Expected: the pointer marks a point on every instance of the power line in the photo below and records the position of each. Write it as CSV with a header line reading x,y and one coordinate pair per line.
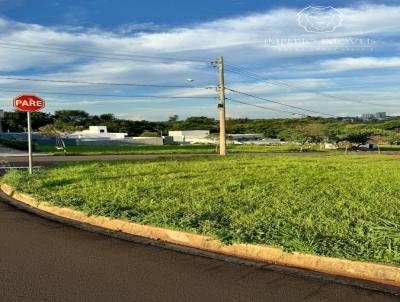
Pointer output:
x,y
242,71
134,57
284,84
91,53
79,54
279,103
99,83
111,95
260,106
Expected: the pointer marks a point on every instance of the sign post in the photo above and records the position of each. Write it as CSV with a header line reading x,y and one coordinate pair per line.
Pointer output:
x,y
30,142
29,103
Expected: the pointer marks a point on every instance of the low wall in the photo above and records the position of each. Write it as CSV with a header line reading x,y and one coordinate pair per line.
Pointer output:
x,y
151,141
48,141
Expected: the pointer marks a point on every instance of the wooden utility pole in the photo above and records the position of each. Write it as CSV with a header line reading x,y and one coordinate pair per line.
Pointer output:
x,y
221,107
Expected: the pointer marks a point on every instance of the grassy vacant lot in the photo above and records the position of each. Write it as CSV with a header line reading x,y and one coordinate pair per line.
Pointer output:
x,y
173,149
390,148
334,205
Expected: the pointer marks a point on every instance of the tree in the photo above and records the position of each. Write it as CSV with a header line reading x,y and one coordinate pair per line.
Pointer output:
x,y
59,132
199,123
394,138
16,121
358,137
107,117
150,134
295,135
358,134
173,122
72,117
173,119
345,145
304,130
307,134
316,132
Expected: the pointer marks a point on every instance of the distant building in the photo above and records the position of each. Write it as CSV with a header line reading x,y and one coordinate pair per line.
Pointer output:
x,y
368,116
372,116
97,133
190,136
252,139
381,115
99,136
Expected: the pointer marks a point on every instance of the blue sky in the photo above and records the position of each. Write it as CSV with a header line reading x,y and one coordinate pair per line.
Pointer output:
x,y
358,60
113,13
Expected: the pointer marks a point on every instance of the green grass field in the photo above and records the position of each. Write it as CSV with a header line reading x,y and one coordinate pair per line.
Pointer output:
x,y
390,148
168,149
334,205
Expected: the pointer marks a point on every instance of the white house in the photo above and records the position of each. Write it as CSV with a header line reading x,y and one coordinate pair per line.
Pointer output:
x,y
190,136
253,139
330,146
97,133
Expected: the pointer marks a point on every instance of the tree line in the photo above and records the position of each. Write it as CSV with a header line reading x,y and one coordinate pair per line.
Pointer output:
x,y
302,130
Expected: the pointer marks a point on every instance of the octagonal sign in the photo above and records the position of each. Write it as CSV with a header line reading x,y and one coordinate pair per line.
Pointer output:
x,y
28,103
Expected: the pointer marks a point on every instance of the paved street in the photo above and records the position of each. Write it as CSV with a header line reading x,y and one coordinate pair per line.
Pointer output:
x,y
42,260
6,152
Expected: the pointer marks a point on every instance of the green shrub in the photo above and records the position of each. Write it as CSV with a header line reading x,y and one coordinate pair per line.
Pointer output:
x,y
16,144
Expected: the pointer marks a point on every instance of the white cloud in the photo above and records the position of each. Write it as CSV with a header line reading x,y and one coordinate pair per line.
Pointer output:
x,y
130,28
368,19
240,39
347,64
236,35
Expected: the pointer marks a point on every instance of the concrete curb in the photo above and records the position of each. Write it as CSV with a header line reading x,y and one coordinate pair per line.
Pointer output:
x,y
384,274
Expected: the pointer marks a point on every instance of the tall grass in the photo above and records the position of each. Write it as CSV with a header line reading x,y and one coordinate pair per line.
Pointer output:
x,y
339,206
168,149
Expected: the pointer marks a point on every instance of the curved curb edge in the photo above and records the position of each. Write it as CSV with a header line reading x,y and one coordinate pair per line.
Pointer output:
x,y
379,273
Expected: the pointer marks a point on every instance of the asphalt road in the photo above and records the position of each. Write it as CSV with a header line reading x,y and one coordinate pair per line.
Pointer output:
x,y
5,151
41,260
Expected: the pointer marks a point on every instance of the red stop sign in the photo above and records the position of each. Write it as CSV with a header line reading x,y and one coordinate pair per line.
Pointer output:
x,y
28,103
